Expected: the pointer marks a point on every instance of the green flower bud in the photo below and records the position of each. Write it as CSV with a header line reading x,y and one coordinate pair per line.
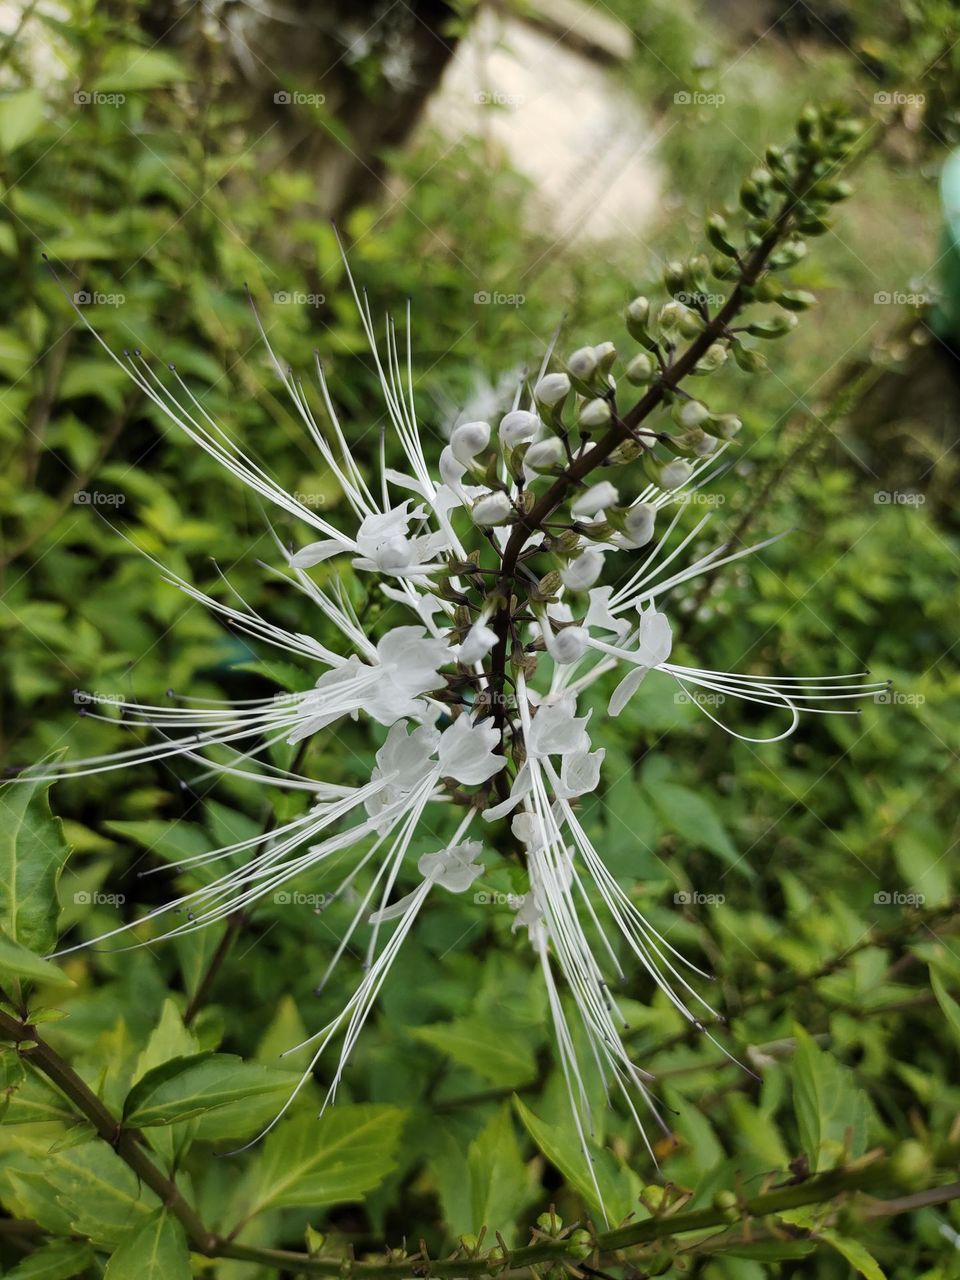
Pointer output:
x,y
749,361
551,1223
807,124
834,192
796,299
717,235
774,326
580,1244
674,277
712,359
726,425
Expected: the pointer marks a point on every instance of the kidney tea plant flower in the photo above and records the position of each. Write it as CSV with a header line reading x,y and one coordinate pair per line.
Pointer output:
x,y
534,559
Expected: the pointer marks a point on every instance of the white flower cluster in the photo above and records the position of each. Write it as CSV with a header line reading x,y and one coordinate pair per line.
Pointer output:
x,y
479,689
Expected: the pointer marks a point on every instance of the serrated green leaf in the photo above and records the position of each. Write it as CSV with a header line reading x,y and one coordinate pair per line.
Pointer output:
x,y
498,1175
333,1160
615,1191
854,1253
499,1054
192,1086
21,963
32,856
156,1251
58,1261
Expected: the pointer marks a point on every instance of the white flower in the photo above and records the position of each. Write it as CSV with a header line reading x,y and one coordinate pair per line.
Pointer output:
x,y
556,729
638,525
595,413
597,498
492,509
580,773
583,363
468,752
675,473
692,413
453,869
469,439
543,455
518,427
477,643
583,572
552,389
568,645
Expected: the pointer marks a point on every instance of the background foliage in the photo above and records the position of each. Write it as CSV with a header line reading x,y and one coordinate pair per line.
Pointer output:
x,y
815,877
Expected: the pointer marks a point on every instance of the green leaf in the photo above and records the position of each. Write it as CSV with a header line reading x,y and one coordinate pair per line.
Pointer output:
x,y
32,855
21,115
854,1253
618,1187
339,1158
829,1106
501,1055
948,1006
193,1085
130,67
58,1261
498,1175
688,814
157,1251
21,963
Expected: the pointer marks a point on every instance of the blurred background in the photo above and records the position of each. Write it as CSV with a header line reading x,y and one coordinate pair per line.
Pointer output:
x,y
510,169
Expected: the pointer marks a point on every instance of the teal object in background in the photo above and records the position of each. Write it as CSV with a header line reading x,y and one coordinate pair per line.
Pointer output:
x,y
945,317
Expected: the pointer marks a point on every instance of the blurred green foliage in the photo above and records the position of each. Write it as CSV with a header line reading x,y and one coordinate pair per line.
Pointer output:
x,y
792,871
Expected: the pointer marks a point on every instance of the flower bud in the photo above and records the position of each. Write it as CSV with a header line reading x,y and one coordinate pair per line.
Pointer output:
x,y
493,509
636,316
582,573
712,359
674,277
543,455
717,235
568,645
595,413
552,389
691,413
706,445
641,369
518,426
774,326
583,363
597,498
670,315
726,425
639,522
796,299
469,439
606,354
675,473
